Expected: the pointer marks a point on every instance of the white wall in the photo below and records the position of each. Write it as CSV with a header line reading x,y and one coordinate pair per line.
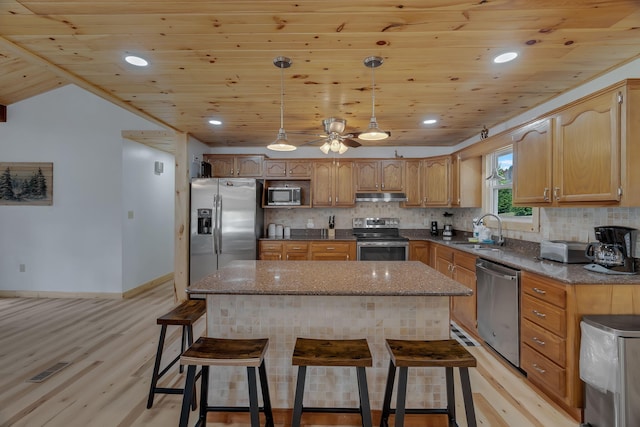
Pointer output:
x,y
148,240
75,245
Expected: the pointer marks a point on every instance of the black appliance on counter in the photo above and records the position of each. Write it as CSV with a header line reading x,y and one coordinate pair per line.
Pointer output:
x,y
379,239
614,251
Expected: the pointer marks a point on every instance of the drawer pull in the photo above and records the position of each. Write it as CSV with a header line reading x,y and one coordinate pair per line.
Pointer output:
x,y
331,248
538,341
540,315
296,247
539,291
539,369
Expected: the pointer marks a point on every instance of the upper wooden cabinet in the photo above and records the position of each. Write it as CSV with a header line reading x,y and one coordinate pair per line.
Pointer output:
x,y
582,154
413,188
333,183
379,175
466,181
436,181
295,169
532,157
586,152
235,166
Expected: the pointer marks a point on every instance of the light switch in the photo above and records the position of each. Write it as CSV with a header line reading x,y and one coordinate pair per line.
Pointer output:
x,y
130,214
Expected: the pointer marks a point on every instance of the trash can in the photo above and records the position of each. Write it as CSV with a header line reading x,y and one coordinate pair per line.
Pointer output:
x,y
609,354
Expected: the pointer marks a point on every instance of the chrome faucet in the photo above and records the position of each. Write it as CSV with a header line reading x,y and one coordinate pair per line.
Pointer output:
x,y
500,241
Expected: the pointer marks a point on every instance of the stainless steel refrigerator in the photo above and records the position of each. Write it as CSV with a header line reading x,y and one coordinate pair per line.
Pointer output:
x,y
226,222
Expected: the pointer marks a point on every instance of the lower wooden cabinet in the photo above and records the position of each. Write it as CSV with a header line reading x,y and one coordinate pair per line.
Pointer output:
x,y
419,251
302,250
461,267
332,251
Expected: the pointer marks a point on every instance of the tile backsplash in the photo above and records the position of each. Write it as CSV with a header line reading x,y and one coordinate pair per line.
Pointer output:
x,y
555,223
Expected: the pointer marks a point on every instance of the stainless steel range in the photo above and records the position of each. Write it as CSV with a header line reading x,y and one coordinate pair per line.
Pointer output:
x,y
379,239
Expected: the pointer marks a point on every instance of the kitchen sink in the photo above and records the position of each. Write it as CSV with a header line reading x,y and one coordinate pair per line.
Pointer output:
x,y
482,247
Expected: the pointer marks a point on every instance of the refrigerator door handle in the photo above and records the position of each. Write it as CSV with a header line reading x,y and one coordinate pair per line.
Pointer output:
x,y
219,224
215,224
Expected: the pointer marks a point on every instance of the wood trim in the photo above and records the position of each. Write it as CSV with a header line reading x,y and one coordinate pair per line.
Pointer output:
x,y
146,286
57,294
3,113
163,140
181,224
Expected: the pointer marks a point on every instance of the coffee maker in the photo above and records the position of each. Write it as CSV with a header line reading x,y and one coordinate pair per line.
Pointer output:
x,y
614,251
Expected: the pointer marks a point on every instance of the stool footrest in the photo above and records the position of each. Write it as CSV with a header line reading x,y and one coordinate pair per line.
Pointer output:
x,y
231,409
323,409
421,411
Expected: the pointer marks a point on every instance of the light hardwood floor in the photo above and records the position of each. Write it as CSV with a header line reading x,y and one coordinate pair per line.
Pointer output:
x,y
111,345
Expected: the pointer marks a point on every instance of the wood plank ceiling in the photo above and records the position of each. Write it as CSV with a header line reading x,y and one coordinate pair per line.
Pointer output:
x,y
214,59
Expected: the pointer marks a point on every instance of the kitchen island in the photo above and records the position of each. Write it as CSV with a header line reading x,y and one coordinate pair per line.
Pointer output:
x,y
339,300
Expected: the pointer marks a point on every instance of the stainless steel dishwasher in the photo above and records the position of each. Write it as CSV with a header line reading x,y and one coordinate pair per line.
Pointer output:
x,y
499,308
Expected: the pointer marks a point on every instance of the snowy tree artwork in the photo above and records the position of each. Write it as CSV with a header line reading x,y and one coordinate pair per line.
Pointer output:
x,y
26,183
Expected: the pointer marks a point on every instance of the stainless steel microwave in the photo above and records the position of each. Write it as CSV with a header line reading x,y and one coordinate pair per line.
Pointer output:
x,y
283,196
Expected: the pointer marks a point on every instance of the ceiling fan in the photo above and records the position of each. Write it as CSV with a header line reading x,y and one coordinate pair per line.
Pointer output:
x,y
333,139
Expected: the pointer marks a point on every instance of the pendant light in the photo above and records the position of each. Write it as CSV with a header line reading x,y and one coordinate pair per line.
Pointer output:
x,y
373,133
281,143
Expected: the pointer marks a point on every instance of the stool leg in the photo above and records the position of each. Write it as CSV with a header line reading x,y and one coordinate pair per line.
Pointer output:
x,y
468,397
451,397
388,391
182,344
253,397
266,397
204,395
402,396
365,407
156,366
297,405
188,395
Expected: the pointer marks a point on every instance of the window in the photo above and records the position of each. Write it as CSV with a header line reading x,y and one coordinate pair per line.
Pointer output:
x,y
499,192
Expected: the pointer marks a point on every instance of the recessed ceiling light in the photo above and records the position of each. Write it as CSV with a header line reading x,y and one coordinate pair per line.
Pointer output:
x,y
136,60
505,57
215,122
430,121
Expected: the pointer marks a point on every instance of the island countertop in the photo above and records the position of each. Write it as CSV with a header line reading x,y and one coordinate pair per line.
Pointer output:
x,y
339,278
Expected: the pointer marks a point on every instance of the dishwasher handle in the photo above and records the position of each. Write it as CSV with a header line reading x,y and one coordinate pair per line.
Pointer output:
x,y
495,273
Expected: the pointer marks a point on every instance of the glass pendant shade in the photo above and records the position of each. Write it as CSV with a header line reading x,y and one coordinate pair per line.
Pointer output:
x,y
325,148
281,143
373,133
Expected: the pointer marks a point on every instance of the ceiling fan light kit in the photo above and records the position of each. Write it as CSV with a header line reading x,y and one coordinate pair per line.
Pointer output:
x,y
281,143
373,133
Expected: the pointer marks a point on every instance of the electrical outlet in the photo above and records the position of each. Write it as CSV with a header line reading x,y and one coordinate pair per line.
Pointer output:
x,y
23,268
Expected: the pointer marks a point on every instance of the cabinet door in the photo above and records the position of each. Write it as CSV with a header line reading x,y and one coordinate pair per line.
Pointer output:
x,y
464,309
366,173
392,175
436,182
275,168
419,251
270,251
455,192
296,251
299,168
532,164
334,251
413,187
249,166
343,185
322,184
587,151
222,167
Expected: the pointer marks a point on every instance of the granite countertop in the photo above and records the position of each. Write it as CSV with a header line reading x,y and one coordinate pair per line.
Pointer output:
x,y
348,278
523,255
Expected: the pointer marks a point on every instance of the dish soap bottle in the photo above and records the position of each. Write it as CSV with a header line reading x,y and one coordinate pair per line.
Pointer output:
x,y
476,229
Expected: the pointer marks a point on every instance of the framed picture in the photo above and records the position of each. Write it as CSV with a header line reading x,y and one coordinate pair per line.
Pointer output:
x,y
24,184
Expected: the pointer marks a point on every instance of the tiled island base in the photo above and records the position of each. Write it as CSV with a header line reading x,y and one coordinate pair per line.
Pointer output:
x,y
283,318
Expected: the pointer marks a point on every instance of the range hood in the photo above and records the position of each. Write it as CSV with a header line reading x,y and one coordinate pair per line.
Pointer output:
x,y
381,197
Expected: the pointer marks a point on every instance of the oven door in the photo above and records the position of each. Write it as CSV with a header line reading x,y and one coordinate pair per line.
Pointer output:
x,y
380,250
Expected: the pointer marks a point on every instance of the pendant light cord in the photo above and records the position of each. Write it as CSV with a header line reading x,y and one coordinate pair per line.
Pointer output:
x,y
373,92
282,97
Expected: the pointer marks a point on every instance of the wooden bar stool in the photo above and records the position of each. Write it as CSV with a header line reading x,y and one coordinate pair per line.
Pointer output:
x,y
208,352
184,315
448,354
315,352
